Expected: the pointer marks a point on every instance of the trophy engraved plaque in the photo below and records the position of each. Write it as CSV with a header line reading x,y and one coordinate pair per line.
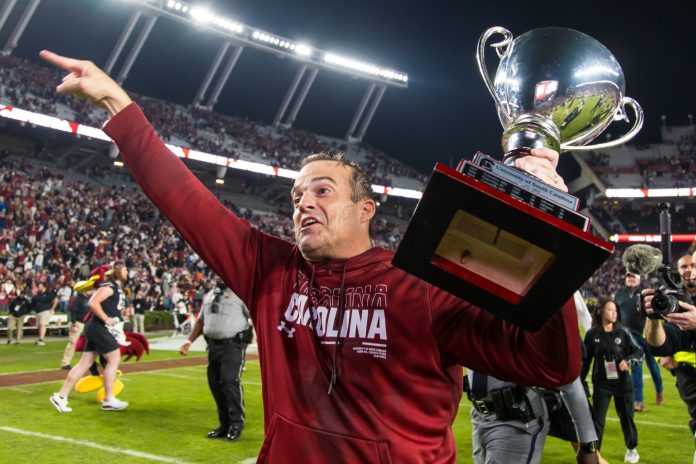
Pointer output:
x,y
498,236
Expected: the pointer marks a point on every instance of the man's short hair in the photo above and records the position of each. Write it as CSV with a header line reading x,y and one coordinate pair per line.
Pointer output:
x,y
360,185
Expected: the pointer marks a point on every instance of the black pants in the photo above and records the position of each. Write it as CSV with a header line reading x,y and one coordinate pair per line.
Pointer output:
x,y
686,385
624,409
225,363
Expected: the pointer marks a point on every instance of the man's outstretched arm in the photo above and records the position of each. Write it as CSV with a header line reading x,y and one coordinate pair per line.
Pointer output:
x,y
213,231
86,80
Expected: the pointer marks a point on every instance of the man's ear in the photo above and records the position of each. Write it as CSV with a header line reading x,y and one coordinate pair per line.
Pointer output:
x,y
369,209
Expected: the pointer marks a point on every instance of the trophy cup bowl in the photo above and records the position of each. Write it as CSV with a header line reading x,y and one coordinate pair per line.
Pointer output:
x,y
557,88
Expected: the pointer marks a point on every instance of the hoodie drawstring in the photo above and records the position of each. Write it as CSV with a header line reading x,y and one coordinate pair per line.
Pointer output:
x,y
341,311
317,342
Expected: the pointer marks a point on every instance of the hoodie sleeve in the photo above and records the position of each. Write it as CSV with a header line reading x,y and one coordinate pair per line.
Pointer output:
x,y
228,244
476,339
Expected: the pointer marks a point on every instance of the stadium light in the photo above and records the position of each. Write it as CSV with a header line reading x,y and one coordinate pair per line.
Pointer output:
x,y
118,163
281,43
302,51
202,15
367,68
219,181
206,16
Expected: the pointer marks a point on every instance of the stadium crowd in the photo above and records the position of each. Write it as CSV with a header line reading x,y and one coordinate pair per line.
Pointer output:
x,y
55,231
30,86
670,165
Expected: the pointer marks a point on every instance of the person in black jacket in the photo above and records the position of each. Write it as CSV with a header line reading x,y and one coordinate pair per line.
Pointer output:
x,y
18,309
140,305
44,305
613,349
626,299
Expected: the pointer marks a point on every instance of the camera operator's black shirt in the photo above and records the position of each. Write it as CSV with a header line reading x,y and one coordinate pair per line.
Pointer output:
x,y
140,304
631,317
42,301
676,340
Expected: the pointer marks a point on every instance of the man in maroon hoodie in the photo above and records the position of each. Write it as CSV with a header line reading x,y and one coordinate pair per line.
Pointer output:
x,y
360,361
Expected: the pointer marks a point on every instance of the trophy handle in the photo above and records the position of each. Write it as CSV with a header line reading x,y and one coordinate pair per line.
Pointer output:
x,y
620,114
501,48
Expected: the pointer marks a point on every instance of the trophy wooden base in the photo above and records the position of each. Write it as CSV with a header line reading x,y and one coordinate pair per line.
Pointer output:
x,y
511,259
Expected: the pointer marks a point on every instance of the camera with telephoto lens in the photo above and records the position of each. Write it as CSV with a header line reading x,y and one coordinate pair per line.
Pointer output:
x,y
671,292
666,300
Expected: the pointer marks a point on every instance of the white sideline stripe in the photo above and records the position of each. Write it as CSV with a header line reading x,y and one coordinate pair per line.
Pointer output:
x,y
18,389
90,444
248,461
188,377
656,424
194,369
164,374
120,377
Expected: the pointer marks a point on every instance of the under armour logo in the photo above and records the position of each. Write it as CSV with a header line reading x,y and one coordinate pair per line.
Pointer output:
x,y
290,331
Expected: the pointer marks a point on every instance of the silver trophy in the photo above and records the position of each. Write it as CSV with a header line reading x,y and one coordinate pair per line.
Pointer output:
x,y
556,88
496,235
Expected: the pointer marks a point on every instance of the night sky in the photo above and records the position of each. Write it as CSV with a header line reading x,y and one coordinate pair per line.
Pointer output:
x,y
446,112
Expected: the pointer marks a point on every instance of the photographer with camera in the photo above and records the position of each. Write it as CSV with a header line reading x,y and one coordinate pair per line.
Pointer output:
x,y
675,340
682,364
672,301
670,329
224,322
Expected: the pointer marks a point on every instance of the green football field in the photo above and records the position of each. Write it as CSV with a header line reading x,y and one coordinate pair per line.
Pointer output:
x,y
171,410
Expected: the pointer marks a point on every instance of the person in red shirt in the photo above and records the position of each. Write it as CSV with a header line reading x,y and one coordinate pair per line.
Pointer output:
x,y
360,361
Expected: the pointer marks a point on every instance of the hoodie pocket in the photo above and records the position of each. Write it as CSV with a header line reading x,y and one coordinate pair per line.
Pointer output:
x,y
287,443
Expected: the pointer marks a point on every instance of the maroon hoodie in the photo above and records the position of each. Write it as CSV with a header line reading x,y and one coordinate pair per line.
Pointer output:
x,y
360,361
